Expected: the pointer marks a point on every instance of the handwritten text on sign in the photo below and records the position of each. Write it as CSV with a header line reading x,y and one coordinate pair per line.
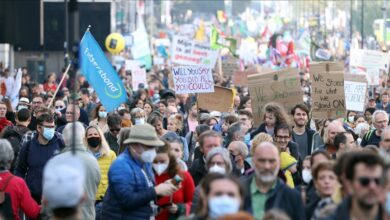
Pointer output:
x,y
189,52
192,79
328,95
355,94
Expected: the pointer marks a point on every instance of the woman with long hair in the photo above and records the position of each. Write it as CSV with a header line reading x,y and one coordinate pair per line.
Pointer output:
x,y
166,168
99,148
274,114
156,120
100,118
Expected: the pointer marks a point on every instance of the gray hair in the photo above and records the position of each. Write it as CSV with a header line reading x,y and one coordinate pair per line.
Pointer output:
x,y
225,155
79,134
241,146
379,112
6,154
234,128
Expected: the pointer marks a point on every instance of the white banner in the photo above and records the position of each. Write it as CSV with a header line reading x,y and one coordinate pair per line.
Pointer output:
x,y
138,76
189,52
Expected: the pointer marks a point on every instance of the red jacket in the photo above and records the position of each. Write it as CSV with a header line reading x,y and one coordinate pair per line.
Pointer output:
x,y
20,196
4,123
183,196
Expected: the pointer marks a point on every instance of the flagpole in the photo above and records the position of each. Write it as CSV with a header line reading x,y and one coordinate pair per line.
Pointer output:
x,y
59,85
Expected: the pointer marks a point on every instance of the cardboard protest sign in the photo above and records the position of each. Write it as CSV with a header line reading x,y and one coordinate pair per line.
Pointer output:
x,y
189,52
230,65
138,77
240,78
221,100
328,97
368,63
192,79
283,87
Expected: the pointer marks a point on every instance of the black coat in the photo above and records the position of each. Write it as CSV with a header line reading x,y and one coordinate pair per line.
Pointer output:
x,y
342,211
282,197
198,170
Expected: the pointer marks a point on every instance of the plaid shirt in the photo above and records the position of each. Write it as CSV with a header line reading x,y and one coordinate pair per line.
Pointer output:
x,y
31,134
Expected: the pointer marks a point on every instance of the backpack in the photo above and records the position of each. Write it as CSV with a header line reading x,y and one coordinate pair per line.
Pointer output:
x,y
14,136
5,201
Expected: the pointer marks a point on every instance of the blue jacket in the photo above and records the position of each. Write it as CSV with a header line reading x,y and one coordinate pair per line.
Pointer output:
x,y
128,195
32,158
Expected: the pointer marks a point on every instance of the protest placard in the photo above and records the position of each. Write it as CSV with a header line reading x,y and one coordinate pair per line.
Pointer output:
x,y
189,52
355,87
192,79
132,64
368,63
283,87
138,77
328,97
221,100
229,65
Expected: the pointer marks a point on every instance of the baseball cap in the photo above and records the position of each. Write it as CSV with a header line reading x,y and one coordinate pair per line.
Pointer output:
x,y
63,181
24,100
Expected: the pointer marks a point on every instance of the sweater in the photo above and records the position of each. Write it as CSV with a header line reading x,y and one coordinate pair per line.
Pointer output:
x,y
20,196
104,165
182,197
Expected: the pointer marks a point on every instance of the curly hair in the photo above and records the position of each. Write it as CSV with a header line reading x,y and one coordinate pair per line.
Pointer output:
x,y
173,166
278,111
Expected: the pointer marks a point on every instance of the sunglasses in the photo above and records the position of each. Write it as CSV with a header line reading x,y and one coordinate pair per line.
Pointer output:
x,y
115,129
365,181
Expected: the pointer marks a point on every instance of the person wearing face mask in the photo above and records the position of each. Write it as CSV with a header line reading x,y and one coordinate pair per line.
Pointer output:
x,y
138,116
217,161
265,190
100,118
239,151
166,167
99,148
35,153
350,120
221,195
132,192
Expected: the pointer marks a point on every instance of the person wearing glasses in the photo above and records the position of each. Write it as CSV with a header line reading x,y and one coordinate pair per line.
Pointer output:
x,y
114,122
380,120
35,153
282,139
363,174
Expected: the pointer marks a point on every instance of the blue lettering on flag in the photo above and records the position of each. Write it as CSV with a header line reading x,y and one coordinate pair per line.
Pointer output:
x,y
100,74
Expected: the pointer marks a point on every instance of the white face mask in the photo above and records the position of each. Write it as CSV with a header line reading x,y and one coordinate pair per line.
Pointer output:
x,y
306,175
223,205
351,119
139,121
217,169
160,168
148,156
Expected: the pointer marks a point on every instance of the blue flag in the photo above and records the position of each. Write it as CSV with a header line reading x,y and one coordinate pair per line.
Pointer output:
x,y
100,74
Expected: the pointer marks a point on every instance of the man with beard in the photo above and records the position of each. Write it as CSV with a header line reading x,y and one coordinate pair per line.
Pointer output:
x,y
380,120
306,138
363,176
266,191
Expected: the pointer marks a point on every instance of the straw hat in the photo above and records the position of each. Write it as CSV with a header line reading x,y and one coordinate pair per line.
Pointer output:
x,y
144,134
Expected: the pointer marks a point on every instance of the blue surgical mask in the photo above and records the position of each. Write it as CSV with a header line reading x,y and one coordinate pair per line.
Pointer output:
x,y
48,133
139,121
387,204
223,205
247,139
102,114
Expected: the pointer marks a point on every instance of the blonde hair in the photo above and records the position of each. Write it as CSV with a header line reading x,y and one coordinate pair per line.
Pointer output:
x,y
104,148
178,121
258,139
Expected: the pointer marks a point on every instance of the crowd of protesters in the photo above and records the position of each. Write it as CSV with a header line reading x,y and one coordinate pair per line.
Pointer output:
x,y
158,156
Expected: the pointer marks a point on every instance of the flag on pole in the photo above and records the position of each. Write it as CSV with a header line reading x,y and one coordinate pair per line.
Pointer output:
x,y
218,41
100,74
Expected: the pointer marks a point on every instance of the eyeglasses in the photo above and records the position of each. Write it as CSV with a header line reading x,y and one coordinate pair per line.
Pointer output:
x,y
365,181
115,129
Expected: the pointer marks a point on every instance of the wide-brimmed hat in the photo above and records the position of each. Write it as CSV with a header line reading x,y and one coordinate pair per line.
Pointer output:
x,y
144,134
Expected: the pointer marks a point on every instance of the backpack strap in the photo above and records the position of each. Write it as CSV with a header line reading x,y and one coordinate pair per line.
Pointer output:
x,y
368,135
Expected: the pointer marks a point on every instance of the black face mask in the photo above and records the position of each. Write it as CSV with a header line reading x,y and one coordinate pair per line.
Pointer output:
x,y
94,141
